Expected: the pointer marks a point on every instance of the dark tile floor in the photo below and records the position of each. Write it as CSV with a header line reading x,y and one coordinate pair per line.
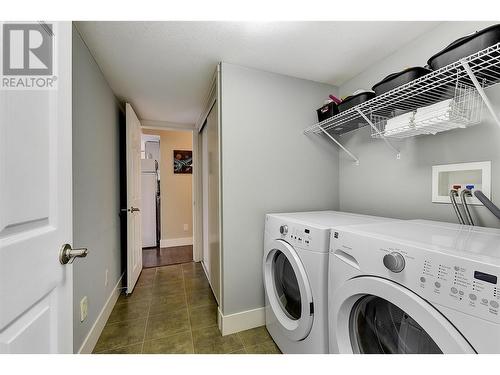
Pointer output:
x,y
165,256
172,310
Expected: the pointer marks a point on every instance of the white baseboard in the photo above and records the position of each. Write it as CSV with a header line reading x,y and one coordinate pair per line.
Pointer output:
x,y
241,321
96,330
171,242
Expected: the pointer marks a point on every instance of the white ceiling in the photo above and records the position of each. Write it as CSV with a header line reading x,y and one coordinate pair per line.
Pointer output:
x,y
165,68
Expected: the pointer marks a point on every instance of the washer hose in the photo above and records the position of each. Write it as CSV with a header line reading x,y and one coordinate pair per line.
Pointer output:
x,y
453,194
487,203
463,194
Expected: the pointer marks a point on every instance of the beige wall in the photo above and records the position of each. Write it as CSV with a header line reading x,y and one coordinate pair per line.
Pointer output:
x,y
176,189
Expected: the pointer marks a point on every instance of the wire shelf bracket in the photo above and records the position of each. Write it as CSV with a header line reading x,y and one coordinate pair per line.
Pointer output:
x,y
480,90
356,160
379,134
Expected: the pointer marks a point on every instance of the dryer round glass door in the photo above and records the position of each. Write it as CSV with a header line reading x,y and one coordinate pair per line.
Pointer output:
x,y
288,290
374,315
287,286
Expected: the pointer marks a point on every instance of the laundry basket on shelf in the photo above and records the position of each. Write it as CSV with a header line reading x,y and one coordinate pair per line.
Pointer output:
x,y
462,110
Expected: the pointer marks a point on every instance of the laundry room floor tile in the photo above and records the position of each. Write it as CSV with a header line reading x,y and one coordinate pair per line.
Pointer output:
x,y
255,336
209,341
204,316
173,311
117,335
131,349
263,348
167,324
167,304
181,343
128,311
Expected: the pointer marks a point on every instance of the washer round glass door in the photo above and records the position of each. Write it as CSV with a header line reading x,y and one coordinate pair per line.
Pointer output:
x,y
375,315
288,290
379,327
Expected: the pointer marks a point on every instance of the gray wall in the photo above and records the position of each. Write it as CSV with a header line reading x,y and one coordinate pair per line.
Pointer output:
x,y
96,187
382,185
268,165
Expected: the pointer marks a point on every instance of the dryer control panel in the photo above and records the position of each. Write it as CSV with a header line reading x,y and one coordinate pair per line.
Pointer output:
x,y
298,234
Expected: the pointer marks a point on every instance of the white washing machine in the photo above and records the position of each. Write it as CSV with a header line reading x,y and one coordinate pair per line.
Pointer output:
x,y
414,287
295,269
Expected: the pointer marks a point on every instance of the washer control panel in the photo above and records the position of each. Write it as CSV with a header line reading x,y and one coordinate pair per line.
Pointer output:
x,y
463,281
471,287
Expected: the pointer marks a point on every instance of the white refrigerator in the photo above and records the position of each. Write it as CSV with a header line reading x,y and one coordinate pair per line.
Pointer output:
x,y
150,212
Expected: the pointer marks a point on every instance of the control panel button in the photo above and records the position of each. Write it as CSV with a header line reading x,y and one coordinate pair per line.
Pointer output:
x,y
284,229
456,268
422,279
485,301
437,284
473,297
454,290
461,292
494,304
394,262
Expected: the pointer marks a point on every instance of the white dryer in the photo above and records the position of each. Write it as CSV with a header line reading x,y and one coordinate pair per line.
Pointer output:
x,y
295,267
414,287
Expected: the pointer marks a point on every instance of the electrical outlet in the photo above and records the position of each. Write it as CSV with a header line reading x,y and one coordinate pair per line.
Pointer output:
x,y
84,308
186,227
106,280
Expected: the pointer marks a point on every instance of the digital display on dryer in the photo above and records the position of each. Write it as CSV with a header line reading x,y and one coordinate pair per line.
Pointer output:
x,y
307,231
492,279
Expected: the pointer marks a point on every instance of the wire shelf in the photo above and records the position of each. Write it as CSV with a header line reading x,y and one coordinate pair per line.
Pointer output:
x,y
462,111
430,89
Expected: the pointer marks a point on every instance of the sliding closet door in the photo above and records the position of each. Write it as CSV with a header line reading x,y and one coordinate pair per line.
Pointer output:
x,y
204,179
211,240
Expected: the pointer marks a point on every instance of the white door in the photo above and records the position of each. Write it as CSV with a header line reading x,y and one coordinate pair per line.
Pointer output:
x,y
377,316
134,235
36,211
288,290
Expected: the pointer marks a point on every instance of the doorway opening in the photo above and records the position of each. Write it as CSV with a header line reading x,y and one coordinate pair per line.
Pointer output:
x,y
167,199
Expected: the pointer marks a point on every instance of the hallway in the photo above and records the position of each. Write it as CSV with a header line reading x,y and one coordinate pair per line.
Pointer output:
x,y
166,256
172,311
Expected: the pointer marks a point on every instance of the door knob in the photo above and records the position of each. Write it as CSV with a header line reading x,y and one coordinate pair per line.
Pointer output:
x,y
68,254
131,209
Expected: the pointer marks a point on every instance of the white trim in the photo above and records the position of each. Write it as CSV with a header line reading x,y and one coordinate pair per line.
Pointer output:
x,y
171,242
197,200
96,330
484,167
211,96
241,321
165,125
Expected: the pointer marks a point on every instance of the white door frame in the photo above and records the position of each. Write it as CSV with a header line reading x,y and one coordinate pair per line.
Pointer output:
x,y
213,97
196,185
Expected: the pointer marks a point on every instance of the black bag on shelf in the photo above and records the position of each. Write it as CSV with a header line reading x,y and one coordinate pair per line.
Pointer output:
x,y
466,46
327,111
398,79
354,100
